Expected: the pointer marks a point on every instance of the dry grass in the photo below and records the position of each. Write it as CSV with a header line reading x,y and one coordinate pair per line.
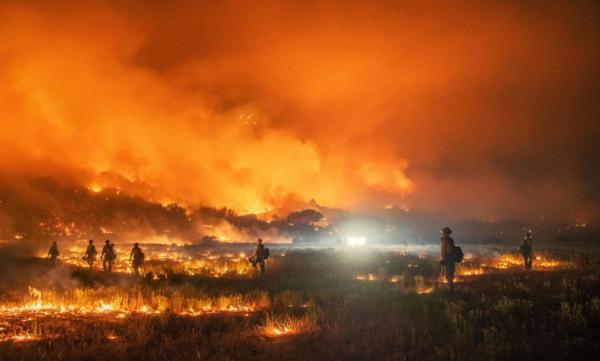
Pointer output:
x,y
309,307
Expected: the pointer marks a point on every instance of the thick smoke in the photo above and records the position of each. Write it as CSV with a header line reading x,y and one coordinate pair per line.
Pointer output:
x,y
469,111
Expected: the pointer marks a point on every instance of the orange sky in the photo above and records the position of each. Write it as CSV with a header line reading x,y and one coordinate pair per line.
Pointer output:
x,y
484,110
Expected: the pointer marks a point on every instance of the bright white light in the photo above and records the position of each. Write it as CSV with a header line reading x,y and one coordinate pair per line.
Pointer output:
x,y
356,241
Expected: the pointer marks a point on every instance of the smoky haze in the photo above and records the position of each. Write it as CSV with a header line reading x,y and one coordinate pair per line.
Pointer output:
x,y
484,111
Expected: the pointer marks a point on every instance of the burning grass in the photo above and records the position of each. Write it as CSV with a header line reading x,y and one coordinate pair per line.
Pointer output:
x,y
162,260
116,303
473,266
126,300
421,287
21,319
281,326
311,300
477,265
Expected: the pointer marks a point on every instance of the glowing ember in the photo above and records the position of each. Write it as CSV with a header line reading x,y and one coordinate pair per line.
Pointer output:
x,y
424,290
19,338
469,271
546,263
288,326
278,331
368,277
373,277
396,279
421,287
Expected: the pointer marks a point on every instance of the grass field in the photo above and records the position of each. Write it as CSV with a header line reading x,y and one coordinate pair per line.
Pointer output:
x,y
327,304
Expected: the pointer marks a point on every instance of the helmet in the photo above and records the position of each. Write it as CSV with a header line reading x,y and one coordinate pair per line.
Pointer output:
x,y
446,230
91,241
107,241
136,244
259,240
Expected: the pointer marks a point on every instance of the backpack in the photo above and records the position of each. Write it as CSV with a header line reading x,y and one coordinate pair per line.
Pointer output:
x,y
142,256
266,253
457,254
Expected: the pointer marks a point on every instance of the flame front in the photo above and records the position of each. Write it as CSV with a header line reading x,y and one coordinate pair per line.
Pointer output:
x,y
116,303
163,260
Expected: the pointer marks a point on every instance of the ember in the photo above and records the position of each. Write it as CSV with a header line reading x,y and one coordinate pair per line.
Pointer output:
x,y
287,326
421,287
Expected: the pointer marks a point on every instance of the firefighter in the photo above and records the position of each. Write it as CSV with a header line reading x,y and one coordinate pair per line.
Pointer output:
x,y
106,257
90,254
447,256
53,253
259,256
137,258
526,250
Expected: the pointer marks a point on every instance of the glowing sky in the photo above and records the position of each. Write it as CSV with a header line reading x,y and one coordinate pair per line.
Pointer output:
x,y
481,109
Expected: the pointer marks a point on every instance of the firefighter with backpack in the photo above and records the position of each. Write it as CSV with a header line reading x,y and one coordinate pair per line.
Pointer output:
x,y
90,254
108,256
259,256
450,255
137,258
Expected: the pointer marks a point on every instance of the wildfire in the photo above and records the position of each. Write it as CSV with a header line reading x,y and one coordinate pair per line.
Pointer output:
x,y
424,290
279,331
506,261
421,287
21,337
477,266
121,302
164,259
472,266
117,303
546,263
396,279
373,277
368,277
287,326
469,271
96,188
